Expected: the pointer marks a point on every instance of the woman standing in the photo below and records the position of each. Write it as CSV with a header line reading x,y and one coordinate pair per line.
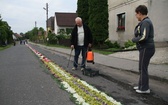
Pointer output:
x,y
144,39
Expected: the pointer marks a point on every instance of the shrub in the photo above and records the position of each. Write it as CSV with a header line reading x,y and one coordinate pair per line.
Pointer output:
x,y
52,39
108,43
111,45
62,36
129,43
116,45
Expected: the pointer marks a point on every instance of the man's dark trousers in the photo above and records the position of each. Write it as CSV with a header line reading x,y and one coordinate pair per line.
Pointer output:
x,y
78,50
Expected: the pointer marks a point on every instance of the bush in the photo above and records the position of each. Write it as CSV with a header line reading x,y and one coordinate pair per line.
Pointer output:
x,y
62,36
129,43
112,45
108,43
52,38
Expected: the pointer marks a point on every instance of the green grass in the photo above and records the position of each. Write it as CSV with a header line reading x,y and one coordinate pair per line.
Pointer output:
x,y
107,51
55,45
4,47
101,51
104,52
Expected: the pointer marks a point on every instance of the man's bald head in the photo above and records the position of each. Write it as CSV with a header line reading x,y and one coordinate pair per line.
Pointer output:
x,y
78,21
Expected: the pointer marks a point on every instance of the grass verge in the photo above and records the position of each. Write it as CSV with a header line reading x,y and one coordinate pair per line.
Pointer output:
x,y
100,51
4,47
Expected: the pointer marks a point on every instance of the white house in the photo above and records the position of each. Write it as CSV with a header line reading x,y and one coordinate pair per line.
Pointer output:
x,y
64,21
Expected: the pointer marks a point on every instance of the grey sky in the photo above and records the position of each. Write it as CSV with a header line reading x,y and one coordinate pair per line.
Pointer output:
x,y
22,14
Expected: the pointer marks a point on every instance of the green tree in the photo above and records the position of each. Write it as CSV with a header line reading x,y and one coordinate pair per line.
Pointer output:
x,y
42,30
32,34
82,10
3,35
98,20
35,34
5,32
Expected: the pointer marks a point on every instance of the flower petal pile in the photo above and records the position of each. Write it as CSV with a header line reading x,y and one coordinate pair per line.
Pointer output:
x,y
84,93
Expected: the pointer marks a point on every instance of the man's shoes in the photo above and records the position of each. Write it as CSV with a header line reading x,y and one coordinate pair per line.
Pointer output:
x,y
74,68
82,69
143,92
135,87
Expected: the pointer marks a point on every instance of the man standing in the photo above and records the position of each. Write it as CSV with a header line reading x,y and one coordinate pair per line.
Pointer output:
x,y
81,39
144,39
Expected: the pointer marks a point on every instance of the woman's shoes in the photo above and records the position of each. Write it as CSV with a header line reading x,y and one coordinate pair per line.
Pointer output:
x,y
74,68
136,88
143,92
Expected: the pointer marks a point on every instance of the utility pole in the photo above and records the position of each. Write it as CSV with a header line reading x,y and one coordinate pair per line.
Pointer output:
x,y
46,18
35,24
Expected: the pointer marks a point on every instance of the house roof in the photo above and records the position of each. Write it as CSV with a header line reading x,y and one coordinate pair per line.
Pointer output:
x,y
65,19
17,35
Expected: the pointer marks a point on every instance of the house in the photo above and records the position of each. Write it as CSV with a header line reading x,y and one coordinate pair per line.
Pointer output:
x,y
122,20
17,36
50,24
64,22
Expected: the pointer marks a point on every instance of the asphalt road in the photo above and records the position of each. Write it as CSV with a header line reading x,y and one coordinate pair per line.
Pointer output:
x,y
25,80
118,84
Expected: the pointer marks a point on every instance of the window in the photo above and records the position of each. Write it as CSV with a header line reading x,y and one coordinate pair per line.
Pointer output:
x,y
121,22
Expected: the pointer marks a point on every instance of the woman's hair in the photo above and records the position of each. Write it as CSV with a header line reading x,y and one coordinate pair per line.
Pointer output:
x,y
142,9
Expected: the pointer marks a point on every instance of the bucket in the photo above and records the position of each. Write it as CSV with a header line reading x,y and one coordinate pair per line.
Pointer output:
x,y
90,56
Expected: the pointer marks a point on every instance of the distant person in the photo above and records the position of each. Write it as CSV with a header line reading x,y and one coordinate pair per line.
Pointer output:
x,y
26,41
81,39
144,39
20,41
14,42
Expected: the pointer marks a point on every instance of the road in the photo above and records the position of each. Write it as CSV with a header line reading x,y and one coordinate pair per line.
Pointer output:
x,y
24,79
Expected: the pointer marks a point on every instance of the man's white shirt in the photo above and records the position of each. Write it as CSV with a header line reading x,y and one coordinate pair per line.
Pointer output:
x,y
80,36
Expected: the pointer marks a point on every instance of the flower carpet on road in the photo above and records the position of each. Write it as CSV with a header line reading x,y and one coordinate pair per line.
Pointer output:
x,y
81,91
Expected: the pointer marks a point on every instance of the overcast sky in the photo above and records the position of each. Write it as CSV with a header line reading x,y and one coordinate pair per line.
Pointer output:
x,y
22,14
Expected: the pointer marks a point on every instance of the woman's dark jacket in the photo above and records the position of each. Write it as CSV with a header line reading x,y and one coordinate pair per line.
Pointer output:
x,y
87,36
144,34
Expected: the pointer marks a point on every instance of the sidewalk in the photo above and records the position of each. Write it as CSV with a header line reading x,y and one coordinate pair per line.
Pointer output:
x,y
158,70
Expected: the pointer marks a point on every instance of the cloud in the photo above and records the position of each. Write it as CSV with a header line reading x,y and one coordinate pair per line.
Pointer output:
x,y
22,14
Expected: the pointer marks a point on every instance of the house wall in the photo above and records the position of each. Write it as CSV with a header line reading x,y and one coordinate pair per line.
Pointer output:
x,y
58,28
50,24
64,28
123,6
55,26
157,13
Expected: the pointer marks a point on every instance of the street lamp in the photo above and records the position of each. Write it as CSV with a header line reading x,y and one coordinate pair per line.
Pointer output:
x,y
46,9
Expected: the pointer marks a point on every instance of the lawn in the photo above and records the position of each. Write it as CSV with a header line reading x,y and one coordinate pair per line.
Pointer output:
x,y
101,51
4,47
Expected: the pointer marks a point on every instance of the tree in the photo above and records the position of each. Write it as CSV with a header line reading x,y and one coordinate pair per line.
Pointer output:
x,y
32,34
5,32
98,20
35,34
42,34
82,10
